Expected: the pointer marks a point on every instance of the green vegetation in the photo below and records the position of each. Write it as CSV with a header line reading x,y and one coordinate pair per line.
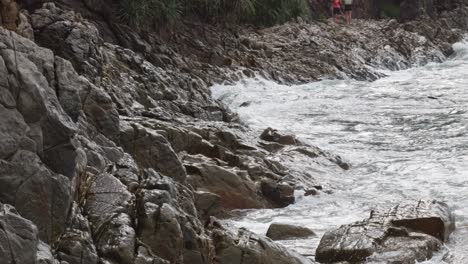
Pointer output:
x,y
147,13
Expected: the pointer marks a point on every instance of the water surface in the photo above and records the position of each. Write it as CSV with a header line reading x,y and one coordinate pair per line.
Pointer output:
x,y
405,135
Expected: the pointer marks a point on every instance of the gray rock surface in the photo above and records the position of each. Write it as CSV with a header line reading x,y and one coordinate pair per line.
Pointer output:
x,y
278,231
246,247
18,237
406,233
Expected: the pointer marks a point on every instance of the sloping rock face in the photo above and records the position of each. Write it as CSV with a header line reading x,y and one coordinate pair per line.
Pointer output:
x,y
407,233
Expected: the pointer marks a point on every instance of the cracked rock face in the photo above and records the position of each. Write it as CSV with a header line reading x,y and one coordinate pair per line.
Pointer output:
x,y
409,232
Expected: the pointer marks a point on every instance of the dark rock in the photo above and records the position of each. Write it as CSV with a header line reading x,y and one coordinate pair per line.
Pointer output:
x,y
312,192
281,194
278,231
409,232
272,135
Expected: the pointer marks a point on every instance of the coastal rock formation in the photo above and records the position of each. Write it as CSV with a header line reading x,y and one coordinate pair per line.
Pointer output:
x,y
406,233
112,149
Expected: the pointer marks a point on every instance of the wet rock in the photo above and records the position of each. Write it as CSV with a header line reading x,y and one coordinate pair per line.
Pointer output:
x,y
246,248
281,194
278,231
272,135
409,232
312,192
18,237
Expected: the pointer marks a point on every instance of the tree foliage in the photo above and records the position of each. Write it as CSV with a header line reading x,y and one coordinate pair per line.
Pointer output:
x,y
146,13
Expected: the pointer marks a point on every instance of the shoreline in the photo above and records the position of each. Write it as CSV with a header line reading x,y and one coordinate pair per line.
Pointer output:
x,y
140,154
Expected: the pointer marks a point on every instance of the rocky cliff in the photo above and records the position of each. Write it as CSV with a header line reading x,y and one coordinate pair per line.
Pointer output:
x,y
113,151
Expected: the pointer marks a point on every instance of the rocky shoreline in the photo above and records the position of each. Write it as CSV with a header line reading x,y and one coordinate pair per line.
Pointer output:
x,y
112,149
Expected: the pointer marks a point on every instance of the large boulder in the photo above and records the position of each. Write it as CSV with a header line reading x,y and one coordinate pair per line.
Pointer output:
x,y
409,232
278,231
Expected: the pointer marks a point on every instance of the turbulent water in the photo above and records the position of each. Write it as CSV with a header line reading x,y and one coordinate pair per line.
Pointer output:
x,y
406,136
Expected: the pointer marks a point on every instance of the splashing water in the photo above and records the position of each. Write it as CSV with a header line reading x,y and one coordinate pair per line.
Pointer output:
x,y
406,136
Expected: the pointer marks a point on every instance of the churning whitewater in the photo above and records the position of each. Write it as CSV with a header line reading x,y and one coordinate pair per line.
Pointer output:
x,y
406,136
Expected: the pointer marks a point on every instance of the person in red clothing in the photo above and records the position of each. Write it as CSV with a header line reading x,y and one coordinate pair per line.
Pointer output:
x,y
336,9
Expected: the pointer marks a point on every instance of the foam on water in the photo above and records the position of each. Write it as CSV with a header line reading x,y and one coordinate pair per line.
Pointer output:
x,y
406,136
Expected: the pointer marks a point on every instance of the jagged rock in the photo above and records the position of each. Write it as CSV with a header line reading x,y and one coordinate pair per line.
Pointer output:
x,y
18,237
278,231
246,248
409,232
76,245
168,222
69,36
151,150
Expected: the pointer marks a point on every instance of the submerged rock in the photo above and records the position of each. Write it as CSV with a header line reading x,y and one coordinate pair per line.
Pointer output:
x,y
278,231
406,233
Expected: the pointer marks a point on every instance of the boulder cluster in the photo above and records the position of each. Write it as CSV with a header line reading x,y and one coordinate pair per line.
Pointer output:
x,y
112,149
